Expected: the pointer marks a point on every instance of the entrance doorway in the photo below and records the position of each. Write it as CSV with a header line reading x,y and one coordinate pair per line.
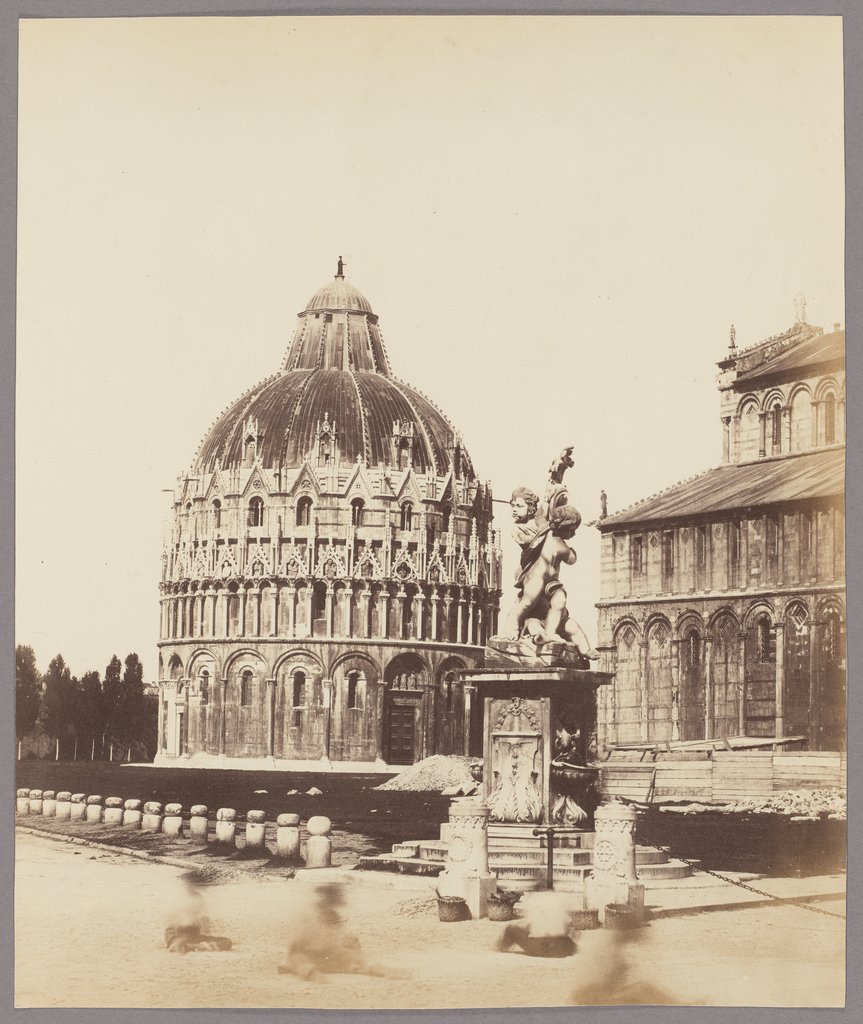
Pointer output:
x,y
400,733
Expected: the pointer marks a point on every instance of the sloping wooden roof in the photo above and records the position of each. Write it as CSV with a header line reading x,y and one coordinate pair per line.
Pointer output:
x,y
818,474
822,348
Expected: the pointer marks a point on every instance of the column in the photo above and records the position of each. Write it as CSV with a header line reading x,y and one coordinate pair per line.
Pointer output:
x,y
460,620
434,603
222,722
329,609
348,612
741,687
708,687
308,600
675,689
814,688
468,691
271,716
242,596
762,431
383,614
815,416
273,595
160,733
726,439
447,609
292,597
226,612
417,628
202,600
256,612
466,873
398,613
642,689
471,620
328,689
614,879
780,680
363,598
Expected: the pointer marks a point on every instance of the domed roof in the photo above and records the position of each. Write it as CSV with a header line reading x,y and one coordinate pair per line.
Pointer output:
x,y
339,295
335,371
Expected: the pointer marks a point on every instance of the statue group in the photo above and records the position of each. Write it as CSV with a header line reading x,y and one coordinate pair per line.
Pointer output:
x,y
539,620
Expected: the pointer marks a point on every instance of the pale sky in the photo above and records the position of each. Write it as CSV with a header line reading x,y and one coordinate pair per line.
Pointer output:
x,y
556,219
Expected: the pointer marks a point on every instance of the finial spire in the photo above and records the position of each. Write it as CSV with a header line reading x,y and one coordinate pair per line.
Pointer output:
x,y
732,336
341,271
800,308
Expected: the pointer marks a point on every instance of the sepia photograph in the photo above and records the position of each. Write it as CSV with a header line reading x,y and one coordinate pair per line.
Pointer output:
x,y
429,550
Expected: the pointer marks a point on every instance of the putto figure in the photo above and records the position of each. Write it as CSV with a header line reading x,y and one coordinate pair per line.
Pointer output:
x,y
542,528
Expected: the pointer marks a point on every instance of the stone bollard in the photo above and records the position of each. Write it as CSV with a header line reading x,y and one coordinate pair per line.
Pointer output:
x,y
94,810
151,820
113,810
613,879
198,820
35,801
319,846
22,801
78,806
132,814
226,825
172,825
64,805
49,804
255,826
466,873
288,837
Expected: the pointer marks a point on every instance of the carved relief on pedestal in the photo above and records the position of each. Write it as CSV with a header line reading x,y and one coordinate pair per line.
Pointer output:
x,y
516,763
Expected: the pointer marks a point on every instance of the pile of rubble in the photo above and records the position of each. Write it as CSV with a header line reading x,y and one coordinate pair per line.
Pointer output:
x,y
798,803
449,775
795,803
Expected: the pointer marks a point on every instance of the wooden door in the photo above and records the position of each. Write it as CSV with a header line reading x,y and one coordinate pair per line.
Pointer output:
x,y
400,734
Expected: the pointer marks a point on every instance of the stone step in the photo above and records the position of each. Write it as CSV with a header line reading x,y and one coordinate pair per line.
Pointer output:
x,y
404,865
563,857
432,849
649,855
671,869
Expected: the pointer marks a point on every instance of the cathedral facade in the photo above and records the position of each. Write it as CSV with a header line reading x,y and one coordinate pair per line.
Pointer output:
x,y
722,608
331,568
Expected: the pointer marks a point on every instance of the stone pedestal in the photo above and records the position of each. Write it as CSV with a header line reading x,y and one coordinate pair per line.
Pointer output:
x,y
49,804
64,805
94,809
319,846
132,814
255,830
226,825
35,801
113,814
198,821
466,873
151,820
614,879
288,837
533,715
172,822
22,805
78,806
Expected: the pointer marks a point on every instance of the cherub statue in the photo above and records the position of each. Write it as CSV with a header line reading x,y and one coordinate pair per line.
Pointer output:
x,y
542,529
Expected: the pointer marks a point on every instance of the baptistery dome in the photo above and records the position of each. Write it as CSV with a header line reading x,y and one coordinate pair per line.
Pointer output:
x,y
331,567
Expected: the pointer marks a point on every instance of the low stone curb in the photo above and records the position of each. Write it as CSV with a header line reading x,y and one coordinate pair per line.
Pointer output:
x,y
129,851
818,897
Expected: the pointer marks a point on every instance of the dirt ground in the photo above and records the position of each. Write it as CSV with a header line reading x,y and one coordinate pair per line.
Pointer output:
x,y
89,931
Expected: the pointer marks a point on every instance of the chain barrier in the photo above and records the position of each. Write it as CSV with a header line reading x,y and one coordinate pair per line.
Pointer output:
x,y
697,866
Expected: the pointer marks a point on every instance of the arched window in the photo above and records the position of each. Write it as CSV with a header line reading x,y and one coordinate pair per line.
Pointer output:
x,y
693,647
404,453
766,639
246,687
256,512
833,637
204,686
830,419
449,684
357,507
407,516
304,511
217,512
353,689
299,694
776,422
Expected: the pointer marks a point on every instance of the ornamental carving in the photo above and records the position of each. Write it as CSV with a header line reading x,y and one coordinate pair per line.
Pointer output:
x,y
518,708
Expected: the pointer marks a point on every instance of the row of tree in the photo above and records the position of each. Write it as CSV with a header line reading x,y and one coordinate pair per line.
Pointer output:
x,y
91,717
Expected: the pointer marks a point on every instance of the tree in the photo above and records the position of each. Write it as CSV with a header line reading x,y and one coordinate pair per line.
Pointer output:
x,y
111,687
28,686
58,700
87,710
127,722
